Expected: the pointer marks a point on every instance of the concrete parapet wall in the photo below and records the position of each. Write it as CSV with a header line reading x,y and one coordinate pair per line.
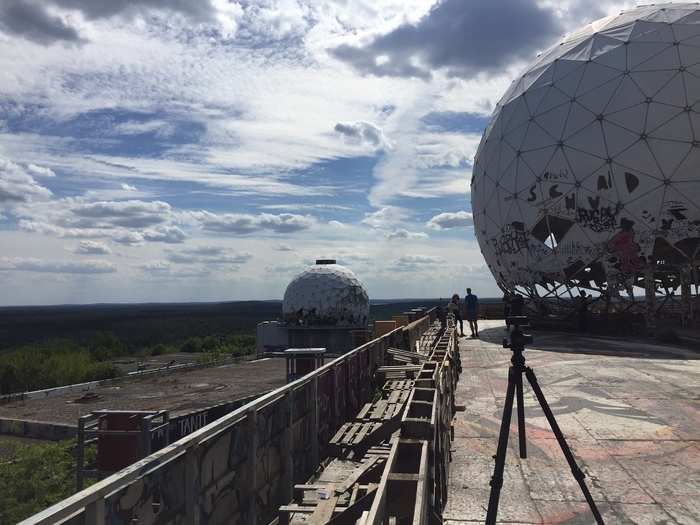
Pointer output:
x,y
239,468
37,429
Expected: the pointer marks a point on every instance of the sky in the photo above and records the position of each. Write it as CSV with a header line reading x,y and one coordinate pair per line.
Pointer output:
x,y
170,150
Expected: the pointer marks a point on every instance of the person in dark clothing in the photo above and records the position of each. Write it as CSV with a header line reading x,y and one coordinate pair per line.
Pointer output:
x,y
471,307
516,305
453,308
582,311
506,309
442,317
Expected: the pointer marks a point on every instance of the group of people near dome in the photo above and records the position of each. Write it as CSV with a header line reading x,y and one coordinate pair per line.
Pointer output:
x,y
470,307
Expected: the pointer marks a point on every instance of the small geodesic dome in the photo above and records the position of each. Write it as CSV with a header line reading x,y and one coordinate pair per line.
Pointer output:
x,y
588,175
326,294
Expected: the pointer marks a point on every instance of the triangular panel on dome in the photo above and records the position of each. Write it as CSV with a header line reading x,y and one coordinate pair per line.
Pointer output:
x,y
533,97
580,53
617,138
515,137
595,100
602,44
507,176
582,164
506,158
632,184
690,54
644,31
691,18
615,58
680,205
673,92
628,17
639,158
515,114
538,76
537,138
642,54
689,246
692,87
552,99
689,165
632,118
589,140
619,32
626,96
659,114
556,179
602,182
651,82
667,14
595,76
670,154
554,120
579,117
569,83
678,128
536,160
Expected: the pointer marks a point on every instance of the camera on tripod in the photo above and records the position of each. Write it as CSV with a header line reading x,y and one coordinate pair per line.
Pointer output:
x,y
518,339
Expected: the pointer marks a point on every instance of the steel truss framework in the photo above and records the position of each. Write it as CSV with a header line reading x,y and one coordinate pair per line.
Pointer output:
x,y
588,175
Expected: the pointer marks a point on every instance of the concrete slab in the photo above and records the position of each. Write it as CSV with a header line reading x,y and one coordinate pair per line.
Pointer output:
x,y
630,412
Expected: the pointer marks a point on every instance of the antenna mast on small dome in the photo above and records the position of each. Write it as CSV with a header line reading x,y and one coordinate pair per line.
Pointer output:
x,y
325,261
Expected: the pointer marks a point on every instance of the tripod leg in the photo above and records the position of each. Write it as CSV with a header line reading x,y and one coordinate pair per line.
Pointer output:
x,y
578,474
497,478
521,413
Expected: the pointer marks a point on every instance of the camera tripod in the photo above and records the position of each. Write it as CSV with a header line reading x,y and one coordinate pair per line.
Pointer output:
x,y
517,343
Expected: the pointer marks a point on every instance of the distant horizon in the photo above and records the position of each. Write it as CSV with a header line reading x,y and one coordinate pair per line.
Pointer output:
x,y
162,303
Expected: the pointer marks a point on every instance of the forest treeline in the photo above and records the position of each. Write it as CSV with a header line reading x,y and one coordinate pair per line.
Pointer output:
x,y
58,362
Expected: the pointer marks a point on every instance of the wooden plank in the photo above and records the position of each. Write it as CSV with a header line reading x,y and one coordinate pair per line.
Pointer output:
x,y
377,511
353,512
356,474
324,511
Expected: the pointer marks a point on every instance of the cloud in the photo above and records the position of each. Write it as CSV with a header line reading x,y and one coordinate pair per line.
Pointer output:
x,y
34,19
242,224
336,224
18,186
362,132
163,270
209,255
29,19
93,9
166,234
130,222
47,266
402,234
449,220
461,38
128,214
128,187
91,248
409,263
40,171
283,248
384,217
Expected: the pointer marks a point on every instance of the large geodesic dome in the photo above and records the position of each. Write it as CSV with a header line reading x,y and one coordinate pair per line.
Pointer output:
x,y
588,175
326,294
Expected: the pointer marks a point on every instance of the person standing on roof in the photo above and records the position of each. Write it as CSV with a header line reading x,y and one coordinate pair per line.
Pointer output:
x,y
453,308
471,304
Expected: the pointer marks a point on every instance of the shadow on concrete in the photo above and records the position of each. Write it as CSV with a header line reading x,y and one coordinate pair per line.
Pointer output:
x,y
623,346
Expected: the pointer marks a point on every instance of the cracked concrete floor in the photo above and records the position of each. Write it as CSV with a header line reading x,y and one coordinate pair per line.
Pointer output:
x,y
630,412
